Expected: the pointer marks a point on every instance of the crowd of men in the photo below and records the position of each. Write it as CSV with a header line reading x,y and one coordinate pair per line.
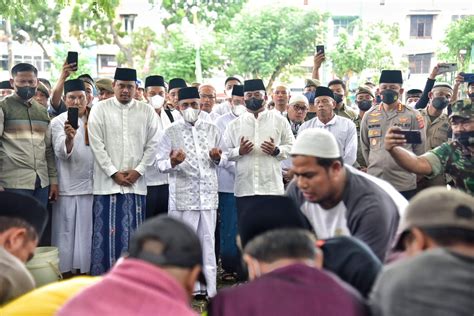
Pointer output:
x,y
326,208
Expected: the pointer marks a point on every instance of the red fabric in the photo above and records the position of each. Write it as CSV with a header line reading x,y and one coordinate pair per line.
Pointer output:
x,y
132,287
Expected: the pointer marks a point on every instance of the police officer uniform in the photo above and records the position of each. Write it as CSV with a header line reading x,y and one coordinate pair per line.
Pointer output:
x,y
375,125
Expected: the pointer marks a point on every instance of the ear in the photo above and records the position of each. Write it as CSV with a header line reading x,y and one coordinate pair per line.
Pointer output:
x,y
401,91
248,261
15,239
11,81
417,243
430,94
113,84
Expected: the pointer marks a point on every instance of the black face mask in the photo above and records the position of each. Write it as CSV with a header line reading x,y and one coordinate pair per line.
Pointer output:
x,y
465,138
389,96
338,98
439,103
364,105
254,104
26,93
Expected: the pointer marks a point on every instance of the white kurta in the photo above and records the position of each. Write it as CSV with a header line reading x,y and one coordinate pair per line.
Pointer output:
x,y
153,176
222,108
258,173
193,184
72,213
226,173
345,132
122,137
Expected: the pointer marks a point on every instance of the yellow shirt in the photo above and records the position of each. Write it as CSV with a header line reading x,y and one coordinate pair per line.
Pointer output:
x,y
47,300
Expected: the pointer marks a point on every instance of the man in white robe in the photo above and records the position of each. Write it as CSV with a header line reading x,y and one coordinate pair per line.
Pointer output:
x,y
190,150
72,212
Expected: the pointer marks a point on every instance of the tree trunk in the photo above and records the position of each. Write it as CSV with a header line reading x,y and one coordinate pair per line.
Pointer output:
x,y
146,63
45,51
126,50
273,77
8,31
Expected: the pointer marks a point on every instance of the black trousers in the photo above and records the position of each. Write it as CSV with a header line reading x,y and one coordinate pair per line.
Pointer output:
x,y
157,200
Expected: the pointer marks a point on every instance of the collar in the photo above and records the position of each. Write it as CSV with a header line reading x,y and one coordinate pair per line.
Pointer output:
x,y
121,105
331,122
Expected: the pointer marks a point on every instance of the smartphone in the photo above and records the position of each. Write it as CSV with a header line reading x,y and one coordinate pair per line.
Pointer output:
x,y
412,137
447,67
73,117
468,77
319,49
72,58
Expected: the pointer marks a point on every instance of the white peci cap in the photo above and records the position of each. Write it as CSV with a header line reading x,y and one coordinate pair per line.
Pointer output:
x,y
316,142
298,98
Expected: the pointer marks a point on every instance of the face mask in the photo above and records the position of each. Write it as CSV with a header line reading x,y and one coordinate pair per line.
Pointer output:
x,y
26,93
378,99
364,105
190,115
238,110
157,101
310,96
439,103
254,104
389,96
412,104
465,138
338,97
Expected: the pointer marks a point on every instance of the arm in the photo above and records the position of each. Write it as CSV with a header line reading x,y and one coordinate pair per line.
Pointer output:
x,y
52,172
286,141
317,61
419,124
152,140
97,143
423,101
232,150
163,160
458,81
404,158
59,140
350,147
58,89
364,139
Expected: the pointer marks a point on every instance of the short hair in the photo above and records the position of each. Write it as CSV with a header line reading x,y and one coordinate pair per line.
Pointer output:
x,y
448,236
24,67
45,82
327,162
337,81
282,243
7,222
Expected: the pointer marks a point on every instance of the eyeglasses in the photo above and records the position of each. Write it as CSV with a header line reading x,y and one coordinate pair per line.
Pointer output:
x,y
299,108
207,96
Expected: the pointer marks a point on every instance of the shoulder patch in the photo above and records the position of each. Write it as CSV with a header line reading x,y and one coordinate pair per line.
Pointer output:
x,y
375,113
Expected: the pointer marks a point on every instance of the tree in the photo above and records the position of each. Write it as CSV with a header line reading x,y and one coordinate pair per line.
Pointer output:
x,y
459,41
358,52
263,44
18,8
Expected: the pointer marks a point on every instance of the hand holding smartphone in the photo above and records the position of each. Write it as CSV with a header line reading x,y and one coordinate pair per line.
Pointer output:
x,y
319,49
412,137
73,117
447,67
72,58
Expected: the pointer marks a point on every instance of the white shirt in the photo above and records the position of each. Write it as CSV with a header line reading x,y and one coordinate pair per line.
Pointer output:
x,y
153,176
122,137
226,173
327,223
258,173
345,132
222,108
203,116
75,170
193,183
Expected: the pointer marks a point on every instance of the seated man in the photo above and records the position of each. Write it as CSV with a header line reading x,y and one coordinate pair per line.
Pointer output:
x,y
157,278
22,221
438,278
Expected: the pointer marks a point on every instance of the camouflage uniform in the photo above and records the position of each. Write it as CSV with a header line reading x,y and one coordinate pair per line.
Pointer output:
x,y
452,157
374,126
437,133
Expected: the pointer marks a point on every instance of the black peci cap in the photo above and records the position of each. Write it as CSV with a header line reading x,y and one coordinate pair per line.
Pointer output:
x,y
238,90
188,93
74,85
154,81
125,74
176,83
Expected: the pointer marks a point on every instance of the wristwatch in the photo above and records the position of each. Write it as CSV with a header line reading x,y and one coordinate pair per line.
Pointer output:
x,y
276,152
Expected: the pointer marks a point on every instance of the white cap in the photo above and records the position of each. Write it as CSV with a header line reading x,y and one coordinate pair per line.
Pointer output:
x,y
298,98
157,101
316,142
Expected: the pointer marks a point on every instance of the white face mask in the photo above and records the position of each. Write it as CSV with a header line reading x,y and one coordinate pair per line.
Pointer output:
x,y
411,104
157,102
190,115
238,110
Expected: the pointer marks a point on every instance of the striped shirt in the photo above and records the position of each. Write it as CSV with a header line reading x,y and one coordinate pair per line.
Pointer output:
x,y
345,132
25,145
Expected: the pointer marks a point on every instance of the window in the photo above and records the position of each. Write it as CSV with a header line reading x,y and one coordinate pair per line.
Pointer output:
x,y
4,62
107,61
343,22
128,21
421,26
420,63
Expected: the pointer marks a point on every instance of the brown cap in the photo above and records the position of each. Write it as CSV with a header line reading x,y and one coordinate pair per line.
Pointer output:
x,y
43,88
438,207
364,89
104,84
312,83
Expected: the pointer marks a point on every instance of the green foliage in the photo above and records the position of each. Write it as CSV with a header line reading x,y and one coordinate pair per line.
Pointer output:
x,y
143,43
459,36
369,47
215,13
175,56
16,8
263,44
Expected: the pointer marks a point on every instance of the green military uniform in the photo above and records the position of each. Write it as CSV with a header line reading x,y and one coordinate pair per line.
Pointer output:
x,y
374,126
346,112
452,158
437,133
360,161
